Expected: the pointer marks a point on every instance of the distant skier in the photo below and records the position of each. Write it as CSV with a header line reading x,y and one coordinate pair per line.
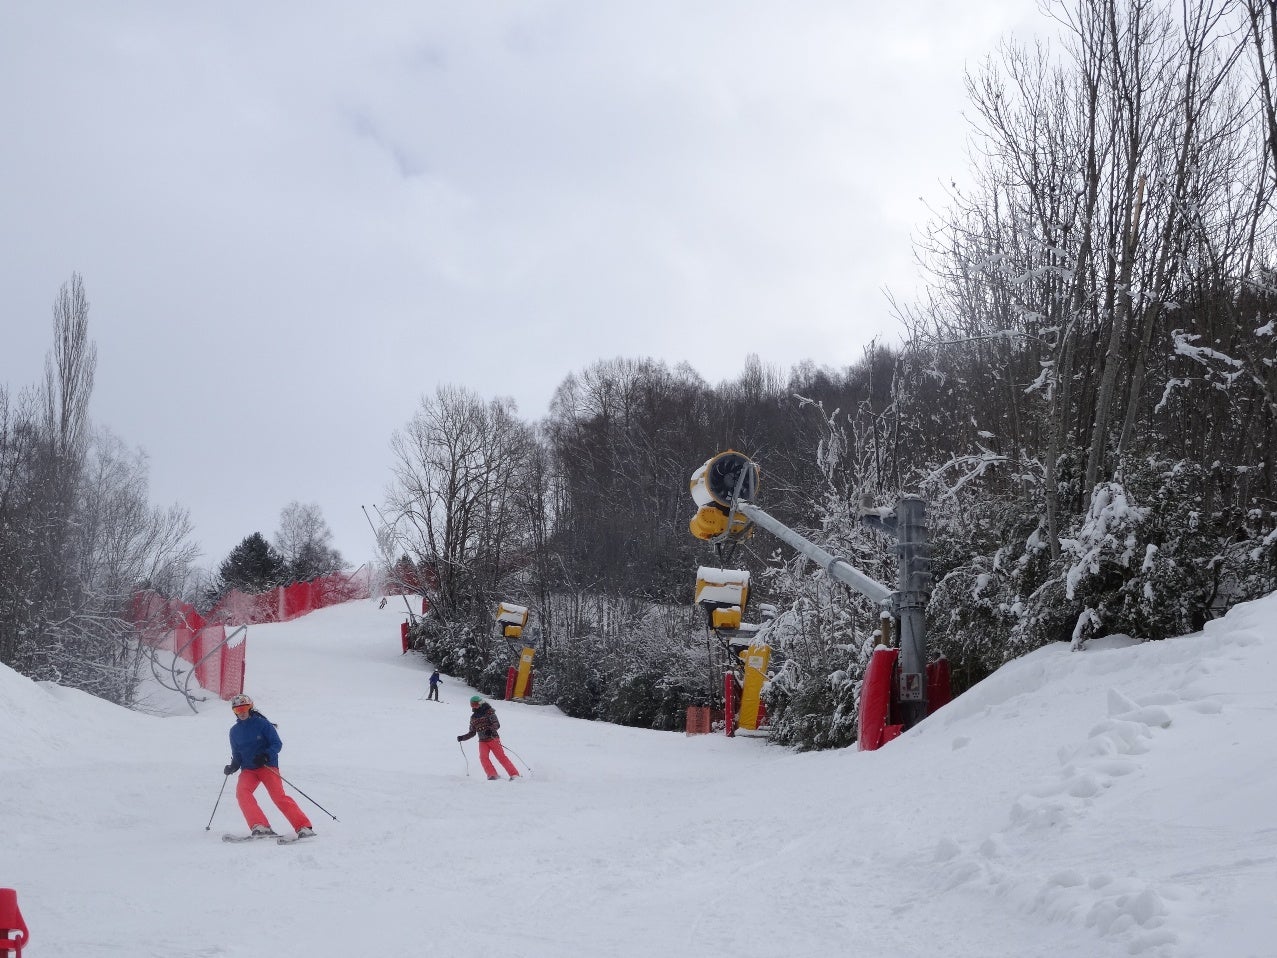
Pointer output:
x,y
434,685
255,749
483,722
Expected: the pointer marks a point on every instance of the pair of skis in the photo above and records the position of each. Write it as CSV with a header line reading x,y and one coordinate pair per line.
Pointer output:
x,y
279,839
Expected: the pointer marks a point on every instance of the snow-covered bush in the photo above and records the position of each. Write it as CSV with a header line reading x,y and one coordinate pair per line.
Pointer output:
x,y
969,619
820,649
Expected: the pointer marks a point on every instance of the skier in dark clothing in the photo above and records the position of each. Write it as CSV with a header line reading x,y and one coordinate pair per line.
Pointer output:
x,y
434,685
255,749
483,722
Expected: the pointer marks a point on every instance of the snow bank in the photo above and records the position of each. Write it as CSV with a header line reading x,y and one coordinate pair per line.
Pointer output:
x,y
1108,802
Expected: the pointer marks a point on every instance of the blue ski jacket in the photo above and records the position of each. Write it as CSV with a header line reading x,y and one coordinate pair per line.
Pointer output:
x,y
252,737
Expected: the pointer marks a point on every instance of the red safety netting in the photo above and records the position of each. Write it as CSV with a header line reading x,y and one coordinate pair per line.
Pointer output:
x,y
175,626
231,682
208,658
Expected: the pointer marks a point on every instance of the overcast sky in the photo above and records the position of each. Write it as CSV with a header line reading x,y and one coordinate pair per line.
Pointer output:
x,y
293,219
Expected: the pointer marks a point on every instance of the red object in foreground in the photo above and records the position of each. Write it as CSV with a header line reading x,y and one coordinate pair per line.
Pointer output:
x,y
11,923
875,701
698,721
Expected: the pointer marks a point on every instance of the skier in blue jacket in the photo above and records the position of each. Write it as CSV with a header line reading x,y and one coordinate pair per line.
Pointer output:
x,y
255,749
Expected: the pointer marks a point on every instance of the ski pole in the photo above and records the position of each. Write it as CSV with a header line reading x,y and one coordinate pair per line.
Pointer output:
x,y
466,757
216,803
303,794
518,756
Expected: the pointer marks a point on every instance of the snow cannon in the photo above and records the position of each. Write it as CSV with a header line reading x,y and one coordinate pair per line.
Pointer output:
x,y
723,594
512,619
11,924
717,486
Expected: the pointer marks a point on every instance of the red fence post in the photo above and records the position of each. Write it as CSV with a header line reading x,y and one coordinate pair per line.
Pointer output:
x,y
510,676
403,634
729,704
11,923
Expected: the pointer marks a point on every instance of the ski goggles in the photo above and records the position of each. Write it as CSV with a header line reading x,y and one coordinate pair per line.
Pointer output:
x,y
241,709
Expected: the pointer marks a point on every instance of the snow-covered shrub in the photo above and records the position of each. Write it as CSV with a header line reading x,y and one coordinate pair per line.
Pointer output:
x,y
818,663
1196,557
571,677
456,648
969,619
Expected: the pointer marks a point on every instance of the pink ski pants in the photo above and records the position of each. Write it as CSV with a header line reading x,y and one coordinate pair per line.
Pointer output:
x,y
249,779
493,747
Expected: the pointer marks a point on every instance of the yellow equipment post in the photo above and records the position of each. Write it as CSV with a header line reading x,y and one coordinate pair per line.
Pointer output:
x,y
525,672
756,659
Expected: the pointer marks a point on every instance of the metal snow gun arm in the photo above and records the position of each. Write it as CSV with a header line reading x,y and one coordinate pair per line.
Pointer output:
x,y
722,489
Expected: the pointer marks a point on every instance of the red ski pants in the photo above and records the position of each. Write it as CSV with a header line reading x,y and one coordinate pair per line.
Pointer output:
x,y
493,747
249,779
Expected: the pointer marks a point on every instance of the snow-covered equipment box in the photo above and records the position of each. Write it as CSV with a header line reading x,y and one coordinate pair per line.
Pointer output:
x,y
512,619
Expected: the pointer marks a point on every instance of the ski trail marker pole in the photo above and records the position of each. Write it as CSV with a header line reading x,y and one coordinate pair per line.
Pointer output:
x,y
216,803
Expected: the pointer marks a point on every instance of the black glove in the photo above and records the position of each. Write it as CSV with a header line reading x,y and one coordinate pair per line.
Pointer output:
x,y
230,769
461,738
262,759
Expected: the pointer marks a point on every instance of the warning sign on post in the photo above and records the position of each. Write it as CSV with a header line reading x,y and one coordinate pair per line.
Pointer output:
x,y
911,686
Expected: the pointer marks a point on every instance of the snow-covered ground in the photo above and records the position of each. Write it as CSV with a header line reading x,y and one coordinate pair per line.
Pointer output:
x,y
1117,801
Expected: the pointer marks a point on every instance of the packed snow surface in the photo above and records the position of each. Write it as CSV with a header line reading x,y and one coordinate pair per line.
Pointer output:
x,y
1113,801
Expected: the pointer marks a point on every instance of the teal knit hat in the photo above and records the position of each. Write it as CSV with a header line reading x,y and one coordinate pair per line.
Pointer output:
x,y
476,699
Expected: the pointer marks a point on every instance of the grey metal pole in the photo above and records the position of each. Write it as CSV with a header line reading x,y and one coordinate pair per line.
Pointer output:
x,y
914,585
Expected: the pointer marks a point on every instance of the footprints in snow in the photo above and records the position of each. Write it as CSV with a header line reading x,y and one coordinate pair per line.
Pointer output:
x,y
1142,916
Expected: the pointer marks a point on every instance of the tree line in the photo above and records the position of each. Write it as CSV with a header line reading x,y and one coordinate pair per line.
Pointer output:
x,y
78,535
1085,394
302,550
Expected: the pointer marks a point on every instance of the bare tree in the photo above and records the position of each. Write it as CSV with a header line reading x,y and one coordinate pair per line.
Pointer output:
x,y
77,535
69,370
453,503
1261,19
305,541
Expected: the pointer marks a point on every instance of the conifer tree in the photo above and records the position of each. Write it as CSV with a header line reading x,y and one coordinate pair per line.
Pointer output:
x,y
253,566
